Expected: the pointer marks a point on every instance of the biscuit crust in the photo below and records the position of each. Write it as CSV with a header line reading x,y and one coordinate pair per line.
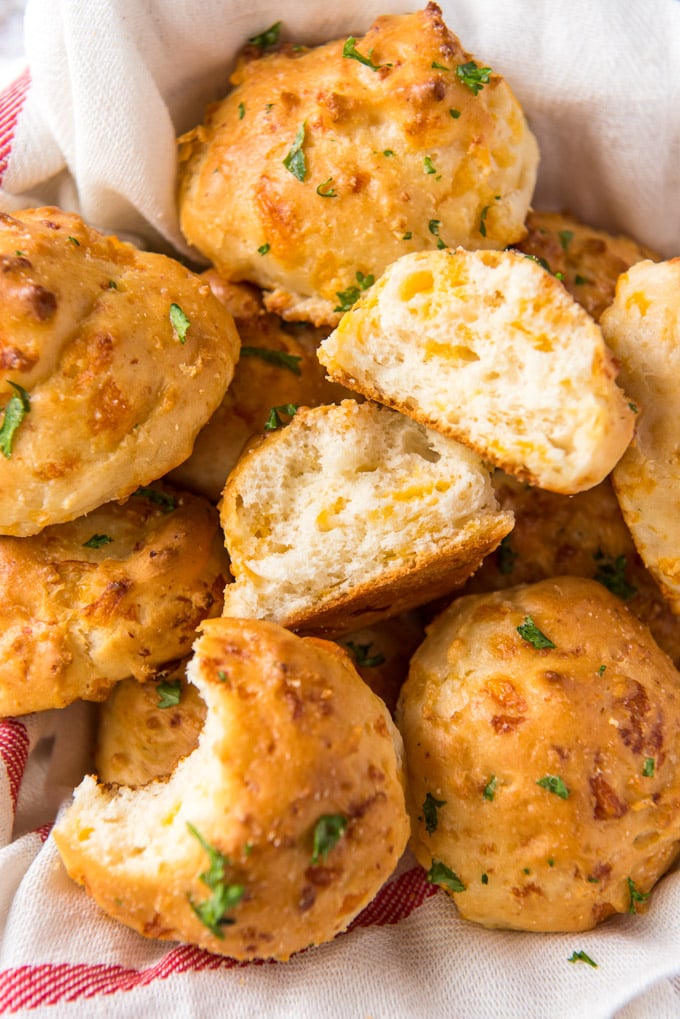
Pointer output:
x,y
396,159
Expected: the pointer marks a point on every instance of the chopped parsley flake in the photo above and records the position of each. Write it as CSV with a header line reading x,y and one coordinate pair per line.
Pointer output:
x,y
633,407
213,911
539,261
582,957
169,694
430,816
16,409
482,220
601,670
241,111
74,241
222,676
276,415
113,285
407,236
485,879
473,76
440,874
440,67
566,237
579,280
362,656
295,160
324,191
648,767
429,167
490,788
166,502
506,557
180,323
551,862
433,227
529,632
268,38
277,357
611,573
350,51
455,114
328,830
264,248
635,895
97,540
554,784
350,296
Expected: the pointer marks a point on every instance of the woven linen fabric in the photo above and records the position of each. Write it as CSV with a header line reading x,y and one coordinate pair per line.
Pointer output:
x,y
91,126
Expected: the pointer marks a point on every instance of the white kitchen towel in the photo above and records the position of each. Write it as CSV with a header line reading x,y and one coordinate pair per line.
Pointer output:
x,y
91,127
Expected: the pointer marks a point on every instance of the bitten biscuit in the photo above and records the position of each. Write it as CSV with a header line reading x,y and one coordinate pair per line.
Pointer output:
x,y
117,593
642,327
589,261
489,348
542,734
581,535
353,513
144,729
323,165
277,830
111,360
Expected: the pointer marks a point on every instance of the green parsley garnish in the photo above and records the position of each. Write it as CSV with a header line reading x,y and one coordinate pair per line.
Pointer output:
x,y
241,111
97,540
276,415
482,220
180,323
455,114
539,261
360,653
440,874
350,51
506,557
601,670
484,879
350,296
551,862
611,573
428,164
440,67
633,407
75,241
433,227
264,248
579,280
169,694
490,788
566,237
328,830
430,816
16,409
554,784
648,767
268,38
329,192
635,895
213,911
529,632
407,236
473,76
19,254
582,957
278,357
166,502
295,160
113,285
388,152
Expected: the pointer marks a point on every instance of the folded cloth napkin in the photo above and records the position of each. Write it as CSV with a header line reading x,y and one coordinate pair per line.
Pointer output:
x,y
92,127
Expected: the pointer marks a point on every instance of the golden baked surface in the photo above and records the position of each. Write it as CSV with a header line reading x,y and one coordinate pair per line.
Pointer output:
x,y
581,535
114,594
384,161
642,327
353,513
115,390
295,791
589,260
489,348
556,769
145,728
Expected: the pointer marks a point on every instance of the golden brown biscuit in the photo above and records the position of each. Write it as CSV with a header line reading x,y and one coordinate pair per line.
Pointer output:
x,y
589,261
542,734
581,535
277,830
111,360
114,594
145,728
276,369
488,348
350,514
317,170
642,327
